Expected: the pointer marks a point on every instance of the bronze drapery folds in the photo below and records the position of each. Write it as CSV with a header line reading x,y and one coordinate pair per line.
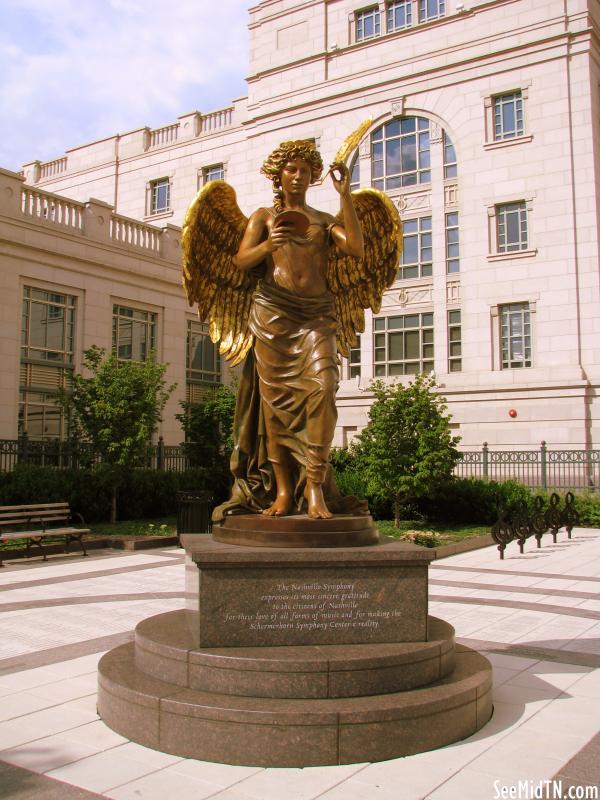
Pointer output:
x,y
285,292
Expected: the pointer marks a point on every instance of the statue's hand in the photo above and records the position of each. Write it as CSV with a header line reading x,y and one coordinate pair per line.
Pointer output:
x,y
340,176
278,236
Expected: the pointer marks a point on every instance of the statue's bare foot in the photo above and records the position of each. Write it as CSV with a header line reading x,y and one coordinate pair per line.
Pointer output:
x,y
317,509
281,507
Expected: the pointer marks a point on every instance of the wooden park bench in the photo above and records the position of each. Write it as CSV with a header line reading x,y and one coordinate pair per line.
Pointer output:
x,y
40,521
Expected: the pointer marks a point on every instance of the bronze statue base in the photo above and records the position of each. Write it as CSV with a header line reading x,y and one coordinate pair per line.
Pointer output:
x,y
297,530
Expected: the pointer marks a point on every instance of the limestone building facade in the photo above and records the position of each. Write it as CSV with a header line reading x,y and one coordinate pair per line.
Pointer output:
x,y
485,133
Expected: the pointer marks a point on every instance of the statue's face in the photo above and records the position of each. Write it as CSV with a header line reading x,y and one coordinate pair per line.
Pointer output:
x,y
296,176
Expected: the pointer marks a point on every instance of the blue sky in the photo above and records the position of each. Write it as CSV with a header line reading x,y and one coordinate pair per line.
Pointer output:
x,y
72,71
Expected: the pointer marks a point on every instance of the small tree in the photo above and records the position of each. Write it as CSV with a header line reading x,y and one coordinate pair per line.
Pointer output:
x,y
208,428
407,448
117,409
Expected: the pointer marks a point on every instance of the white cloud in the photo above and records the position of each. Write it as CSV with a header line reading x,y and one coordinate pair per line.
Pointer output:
x,y
75,70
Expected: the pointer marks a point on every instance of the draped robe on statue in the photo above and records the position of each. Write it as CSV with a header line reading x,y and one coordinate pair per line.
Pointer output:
x,y
290,377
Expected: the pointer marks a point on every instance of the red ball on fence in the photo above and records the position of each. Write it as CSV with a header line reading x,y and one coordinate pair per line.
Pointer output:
x,y
512,413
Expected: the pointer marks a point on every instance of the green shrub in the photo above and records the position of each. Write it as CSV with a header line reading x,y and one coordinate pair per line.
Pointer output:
x,y
468,500
141,493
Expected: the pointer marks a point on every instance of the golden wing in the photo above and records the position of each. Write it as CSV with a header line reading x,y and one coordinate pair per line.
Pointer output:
x,y
212,231
359,283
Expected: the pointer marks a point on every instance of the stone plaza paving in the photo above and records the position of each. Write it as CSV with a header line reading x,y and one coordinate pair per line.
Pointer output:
x,y
536,616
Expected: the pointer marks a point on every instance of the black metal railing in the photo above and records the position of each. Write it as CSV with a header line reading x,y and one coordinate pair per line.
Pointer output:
x,y
79,455
569,470
540,468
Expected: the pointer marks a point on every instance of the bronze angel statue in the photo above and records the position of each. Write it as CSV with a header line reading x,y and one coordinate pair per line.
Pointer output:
x,y
286,291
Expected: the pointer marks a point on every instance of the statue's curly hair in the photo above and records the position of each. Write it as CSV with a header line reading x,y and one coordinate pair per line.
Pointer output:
x,y
288,151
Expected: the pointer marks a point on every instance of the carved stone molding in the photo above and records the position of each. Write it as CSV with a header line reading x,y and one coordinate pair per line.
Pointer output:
x,y
364,148
417,201
413,296
451,195
453,292
435,132
397,107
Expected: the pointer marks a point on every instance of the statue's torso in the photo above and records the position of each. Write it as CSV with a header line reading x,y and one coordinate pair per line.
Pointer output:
x,y
300,266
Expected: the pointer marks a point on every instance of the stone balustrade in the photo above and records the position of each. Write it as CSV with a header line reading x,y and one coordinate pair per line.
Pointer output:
x,y
133,144
95,220
129,231
50,169
165,135
52,208
221,118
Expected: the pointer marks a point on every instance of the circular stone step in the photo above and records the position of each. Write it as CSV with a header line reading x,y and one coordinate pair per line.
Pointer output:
x,y
297,530
274,732
164,650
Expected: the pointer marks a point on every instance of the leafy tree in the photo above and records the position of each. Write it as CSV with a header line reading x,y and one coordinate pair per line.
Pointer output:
x,y
407,448
208,429
117,410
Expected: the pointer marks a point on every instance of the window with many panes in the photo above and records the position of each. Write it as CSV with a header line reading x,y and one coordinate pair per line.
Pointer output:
x,y
216,172
399,15
355,173
47,334
515,335
400,153
508,116
133,333
454,341
416,260
511,227
160,196
452,243
203,363
450,165
403,345
354,360
367,23
431,9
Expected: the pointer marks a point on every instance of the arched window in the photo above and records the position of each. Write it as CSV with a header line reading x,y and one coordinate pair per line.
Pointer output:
x,y
413,159
400,153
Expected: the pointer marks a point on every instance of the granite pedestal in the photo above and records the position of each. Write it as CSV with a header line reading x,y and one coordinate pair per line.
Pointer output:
x,y
296,656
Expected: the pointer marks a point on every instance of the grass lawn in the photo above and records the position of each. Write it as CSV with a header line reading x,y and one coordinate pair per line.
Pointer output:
x,y
164,526
423,533
430,534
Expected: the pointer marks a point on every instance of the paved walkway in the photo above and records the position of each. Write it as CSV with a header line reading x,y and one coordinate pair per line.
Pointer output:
x,y
536,616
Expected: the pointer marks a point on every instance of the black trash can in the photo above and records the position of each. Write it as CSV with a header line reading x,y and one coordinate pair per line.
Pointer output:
x,y
194,511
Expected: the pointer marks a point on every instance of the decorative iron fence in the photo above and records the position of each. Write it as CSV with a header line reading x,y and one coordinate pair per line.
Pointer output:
x,y
78,455
541,468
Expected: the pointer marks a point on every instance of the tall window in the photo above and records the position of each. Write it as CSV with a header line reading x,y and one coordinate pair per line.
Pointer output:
x,y
160,196
454,341
452,243
508,116
367,24
403,345
355,173
450,165
354,360
416,259
399,15
400,153
47,332
203,363
216,172
431,9
511,227
515,335
133,333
